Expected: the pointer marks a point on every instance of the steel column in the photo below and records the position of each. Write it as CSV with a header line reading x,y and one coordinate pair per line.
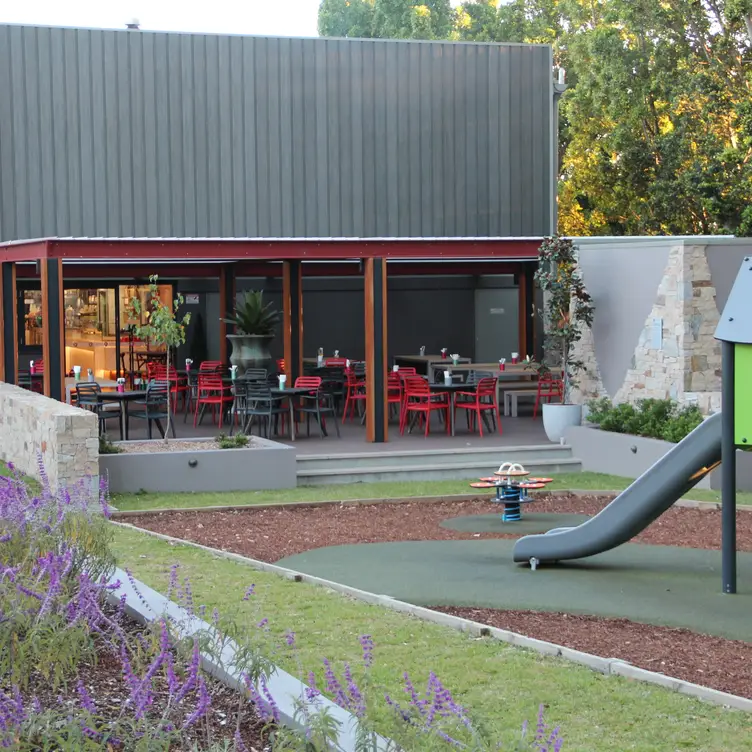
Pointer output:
x,y
226,307
10,324
728,472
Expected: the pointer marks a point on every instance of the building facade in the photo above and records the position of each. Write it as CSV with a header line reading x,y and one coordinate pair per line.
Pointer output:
x,y
143,134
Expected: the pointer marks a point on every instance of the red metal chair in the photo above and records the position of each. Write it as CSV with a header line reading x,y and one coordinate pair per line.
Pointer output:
x,y
281,366
355,392
210,366
212,391
421,402
485,398
335,362
548,388
179,387
406,371
394,392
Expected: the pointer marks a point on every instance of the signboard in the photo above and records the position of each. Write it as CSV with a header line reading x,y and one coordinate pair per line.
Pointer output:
x,y
192,299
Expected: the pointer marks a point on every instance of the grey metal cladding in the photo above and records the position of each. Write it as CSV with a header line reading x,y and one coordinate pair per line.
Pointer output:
x,y
123,133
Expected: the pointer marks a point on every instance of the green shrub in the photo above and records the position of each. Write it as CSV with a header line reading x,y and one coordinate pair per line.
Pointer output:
x,y
653,418
238,441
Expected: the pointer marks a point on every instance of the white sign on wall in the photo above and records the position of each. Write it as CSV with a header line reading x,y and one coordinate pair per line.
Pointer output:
x,y
192,299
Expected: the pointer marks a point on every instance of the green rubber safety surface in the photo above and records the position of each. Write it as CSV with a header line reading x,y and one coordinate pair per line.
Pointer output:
x,y
530,523
661,585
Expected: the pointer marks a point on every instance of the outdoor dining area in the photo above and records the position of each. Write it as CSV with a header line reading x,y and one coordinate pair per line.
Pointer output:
x,y
425,394
79,293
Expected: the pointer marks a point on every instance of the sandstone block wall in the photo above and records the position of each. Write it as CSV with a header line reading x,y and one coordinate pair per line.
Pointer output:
x,y
684,363
66,438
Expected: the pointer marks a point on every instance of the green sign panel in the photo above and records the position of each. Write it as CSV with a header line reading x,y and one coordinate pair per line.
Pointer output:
x,y
743,395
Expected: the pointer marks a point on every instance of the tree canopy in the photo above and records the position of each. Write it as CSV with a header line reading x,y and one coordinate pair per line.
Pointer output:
x,y
656,125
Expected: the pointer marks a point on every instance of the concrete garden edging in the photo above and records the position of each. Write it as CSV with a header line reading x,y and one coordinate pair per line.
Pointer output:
x,y
124,514
144,605
266,466
607,666
630,456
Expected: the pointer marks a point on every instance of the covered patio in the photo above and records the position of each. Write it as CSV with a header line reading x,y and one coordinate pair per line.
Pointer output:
x,y
54,265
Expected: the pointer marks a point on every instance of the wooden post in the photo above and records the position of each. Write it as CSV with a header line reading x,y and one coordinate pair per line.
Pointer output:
x,y
53,332
9,328
377,415
226,307
292,318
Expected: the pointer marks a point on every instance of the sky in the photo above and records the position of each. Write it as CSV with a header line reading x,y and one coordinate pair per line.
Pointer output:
x,y
263,17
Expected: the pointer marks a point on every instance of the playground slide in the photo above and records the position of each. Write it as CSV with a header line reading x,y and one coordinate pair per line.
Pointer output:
x,y
634,509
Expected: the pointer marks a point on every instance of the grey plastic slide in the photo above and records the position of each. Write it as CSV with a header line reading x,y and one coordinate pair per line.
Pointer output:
x,y
634,509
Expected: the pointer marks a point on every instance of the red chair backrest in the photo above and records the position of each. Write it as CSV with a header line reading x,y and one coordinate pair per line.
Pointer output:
x,y
393,383
550,384
281,365
486,387
407,371
335,362
416,386
209,381
304,382
210,366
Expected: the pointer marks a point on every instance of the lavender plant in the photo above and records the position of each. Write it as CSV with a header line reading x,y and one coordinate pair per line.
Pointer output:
x,y
55,570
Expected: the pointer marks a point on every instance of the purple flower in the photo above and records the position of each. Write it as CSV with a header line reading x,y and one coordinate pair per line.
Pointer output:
x,y
86,702
249,592
290,639
202,707
366,643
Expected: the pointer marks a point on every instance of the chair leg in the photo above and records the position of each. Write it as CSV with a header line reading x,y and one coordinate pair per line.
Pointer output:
x,y
480,420
148,427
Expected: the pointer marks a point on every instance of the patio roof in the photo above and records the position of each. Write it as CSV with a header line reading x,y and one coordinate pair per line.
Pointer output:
x,y
220,250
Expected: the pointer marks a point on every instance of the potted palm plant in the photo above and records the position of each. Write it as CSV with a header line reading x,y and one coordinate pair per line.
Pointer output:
x,y
568,311
255,325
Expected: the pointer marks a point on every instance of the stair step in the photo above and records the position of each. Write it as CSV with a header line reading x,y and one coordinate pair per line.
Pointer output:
x,y
426,471
489,457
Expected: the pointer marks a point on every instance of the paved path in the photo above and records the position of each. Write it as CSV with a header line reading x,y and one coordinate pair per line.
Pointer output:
x,y
653,584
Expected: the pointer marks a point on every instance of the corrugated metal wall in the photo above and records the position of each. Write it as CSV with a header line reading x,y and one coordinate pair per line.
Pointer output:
x,y
123,133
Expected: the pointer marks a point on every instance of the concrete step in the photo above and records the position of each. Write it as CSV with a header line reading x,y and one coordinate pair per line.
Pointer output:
x,y
488,457
428,471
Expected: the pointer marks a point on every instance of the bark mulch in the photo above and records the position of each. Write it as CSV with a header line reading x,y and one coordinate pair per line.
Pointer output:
x,y
703,659
273,533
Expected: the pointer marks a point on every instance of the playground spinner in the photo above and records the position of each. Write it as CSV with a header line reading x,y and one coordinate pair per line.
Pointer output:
x,y
512,486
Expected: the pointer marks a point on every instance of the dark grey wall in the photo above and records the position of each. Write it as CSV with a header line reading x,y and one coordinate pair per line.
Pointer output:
x,y
432,311
122,133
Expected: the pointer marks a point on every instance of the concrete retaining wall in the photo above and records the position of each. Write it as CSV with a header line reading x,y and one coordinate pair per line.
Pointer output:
x,y
266,466
630,456
34,428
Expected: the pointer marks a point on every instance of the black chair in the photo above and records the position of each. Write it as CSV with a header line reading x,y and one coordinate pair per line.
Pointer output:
x,y
154,407
255,374
89,397
319,403
254,400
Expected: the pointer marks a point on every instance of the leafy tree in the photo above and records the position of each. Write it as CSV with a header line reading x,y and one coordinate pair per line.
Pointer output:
x,y
346,18
162,326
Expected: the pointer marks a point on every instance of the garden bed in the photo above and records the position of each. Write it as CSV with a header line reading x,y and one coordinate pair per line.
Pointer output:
x,y
271,534
198,465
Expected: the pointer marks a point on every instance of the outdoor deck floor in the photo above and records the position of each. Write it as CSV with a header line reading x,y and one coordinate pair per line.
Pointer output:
x,y
521,431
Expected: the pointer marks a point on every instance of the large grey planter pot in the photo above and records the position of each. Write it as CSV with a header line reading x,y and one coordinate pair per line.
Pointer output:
x,y
558,418
250,351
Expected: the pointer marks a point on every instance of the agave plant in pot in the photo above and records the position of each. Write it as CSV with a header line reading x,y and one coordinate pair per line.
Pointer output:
x,y
568,312
255,325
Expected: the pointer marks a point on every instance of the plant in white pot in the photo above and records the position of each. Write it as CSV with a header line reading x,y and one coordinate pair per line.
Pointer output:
x,y
568,311
255,323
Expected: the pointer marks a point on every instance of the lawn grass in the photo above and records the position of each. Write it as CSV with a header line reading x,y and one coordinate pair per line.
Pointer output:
x,y
393,490
502,685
